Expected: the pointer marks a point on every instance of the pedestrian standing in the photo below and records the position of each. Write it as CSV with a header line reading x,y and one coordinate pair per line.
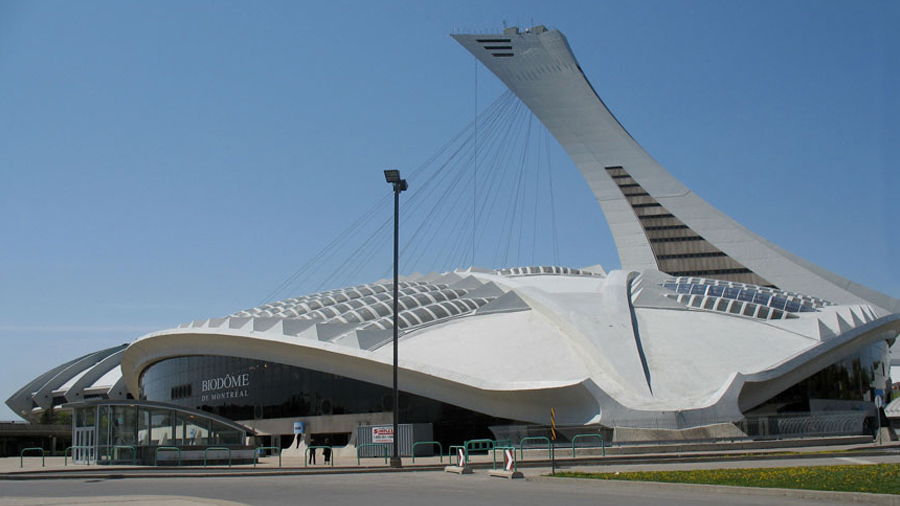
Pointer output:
x,y
312,452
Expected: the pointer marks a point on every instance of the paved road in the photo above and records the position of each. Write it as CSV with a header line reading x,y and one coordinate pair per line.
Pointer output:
x,y
401,489
434,488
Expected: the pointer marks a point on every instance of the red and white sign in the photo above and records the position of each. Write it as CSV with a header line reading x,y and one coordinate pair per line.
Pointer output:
x,y
460,457
382,434
509,459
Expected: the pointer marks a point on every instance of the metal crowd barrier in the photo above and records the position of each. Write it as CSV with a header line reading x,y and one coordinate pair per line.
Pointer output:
x,y
432,443
583,436
22,455
479,445
217,448
535,438
256,454
69,450
384,450
166,449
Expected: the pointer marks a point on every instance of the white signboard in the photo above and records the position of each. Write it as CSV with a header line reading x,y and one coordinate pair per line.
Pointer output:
x,y
383,434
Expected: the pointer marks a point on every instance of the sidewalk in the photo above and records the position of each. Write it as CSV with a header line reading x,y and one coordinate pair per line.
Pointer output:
x,y
31,467
345,461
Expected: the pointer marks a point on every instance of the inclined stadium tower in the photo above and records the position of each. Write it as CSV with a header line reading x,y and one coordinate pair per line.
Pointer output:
x,y
705,323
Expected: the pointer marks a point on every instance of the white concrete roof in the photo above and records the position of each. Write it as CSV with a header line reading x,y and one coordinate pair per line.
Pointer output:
x,y
622,347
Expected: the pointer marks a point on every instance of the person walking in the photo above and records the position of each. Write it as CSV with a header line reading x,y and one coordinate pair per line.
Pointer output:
x,y
312,452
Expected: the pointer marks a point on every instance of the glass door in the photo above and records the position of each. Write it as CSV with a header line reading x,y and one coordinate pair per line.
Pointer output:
x,y
84,451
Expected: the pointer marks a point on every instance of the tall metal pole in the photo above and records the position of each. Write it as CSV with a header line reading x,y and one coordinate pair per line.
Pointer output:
x,y
395,459
393,176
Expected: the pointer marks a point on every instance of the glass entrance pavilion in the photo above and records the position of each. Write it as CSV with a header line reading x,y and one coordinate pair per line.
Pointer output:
x,y
153,433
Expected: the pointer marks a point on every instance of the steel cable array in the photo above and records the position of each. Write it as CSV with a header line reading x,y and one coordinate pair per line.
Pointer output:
x,y
477,190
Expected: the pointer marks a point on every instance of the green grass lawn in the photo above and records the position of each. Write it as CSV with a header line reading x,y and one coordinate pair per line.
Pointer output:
x,y
875,478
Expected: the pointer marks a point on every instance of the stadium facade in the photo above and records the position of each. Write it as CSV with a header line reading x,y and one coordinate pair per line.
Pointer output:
x,y
705,323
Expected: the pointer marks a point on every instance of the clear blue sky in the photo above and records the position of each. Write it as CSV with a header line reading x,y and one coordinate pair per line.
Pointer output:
x,y
167,161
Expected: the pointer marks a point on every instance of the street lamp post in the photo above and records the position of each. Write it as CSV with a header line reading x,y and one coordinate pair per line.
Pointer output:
x,y
393,177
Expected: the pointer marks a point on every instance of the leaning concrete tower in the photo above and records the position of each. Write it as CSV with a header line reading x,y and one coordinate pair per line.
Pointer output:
x,y
656,221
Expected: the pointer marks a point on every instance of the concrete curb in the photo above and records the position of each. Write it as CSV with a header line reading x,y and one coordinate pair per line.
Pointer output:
x,y
622,485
